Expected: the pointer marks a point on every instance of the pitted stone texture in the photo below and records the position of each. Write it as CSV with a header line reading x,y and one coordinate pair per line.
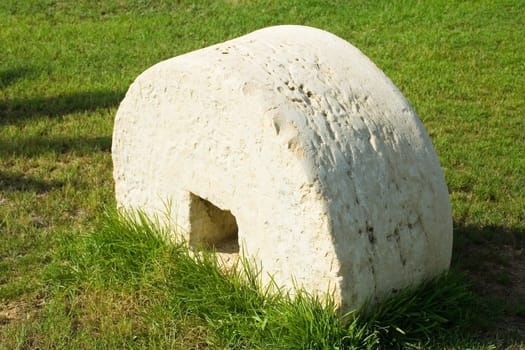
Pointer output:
x,y
328,172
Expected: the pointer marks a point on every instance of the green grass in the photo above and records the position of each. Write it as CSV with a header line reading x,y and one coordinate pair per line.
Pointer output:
x,y
127,281
67,282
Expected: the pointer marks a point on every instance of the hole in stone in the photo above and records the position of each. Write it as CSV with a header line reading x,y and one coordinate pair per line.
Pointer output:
x,y
212,227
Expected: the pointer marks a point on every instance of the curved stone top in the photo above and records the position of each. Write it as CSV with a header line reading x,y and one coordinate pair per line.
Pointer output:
x,y
326,168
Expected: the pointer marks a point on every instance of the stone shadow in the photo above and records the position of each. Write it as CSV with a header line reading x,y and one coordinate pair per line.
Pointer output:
x,y
493,259
491,237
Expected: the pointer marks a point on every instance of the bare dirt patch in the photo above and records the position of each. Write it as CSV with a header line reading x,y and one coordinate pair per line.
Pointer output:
x,y
15,310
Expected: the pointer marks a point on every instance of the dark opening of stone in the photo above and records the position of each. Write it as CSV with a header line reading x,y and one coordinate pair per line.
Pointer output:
x,y
212,227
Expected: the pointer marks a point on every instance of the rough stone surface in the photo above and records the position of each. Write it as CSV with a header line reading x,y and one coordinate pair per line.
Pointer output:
x,y
292,141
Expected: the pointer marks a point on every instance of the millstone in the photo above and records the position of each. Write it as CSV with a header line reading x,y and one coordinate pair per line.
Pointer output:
x,y
289,145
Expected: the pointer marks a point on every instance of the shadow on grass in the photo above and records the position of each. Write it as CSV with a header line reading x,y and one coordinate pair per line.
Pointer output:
x,y
493,259
15,111
18,182
34,146
492,237
12,75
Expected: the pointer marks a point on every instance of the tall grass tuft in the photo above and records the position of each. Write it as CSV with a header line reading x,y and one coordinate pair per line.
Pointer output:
x,y
132,253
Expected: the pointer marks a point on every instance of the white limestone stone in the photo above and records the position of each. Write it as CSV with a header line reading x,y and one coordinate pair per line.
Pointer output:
x,y
291,140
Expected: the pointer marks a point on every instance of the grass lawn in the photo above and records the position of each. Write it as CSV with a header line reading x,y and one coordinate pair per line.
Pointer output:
x,y
74,275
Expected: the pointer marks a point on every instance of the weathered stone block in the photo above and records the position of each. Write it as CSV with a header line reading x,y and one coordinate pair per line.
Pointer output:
x,y
293,145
